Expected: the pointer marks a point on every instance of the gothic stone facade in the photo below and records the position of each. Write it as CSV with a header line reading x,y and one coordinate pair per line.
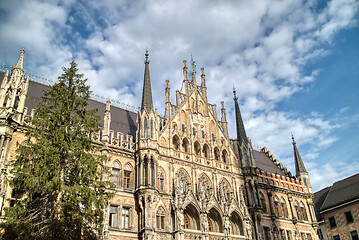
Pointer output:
x,y
177,176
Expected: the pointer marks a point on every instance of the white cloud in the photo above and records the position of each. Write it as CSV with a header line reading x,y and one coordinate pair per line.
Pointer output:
x,y
261,47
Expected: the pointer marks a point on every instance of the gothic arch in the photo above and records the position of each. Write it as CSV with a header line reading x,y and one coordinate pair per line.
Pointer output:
x,y
217,154
183,181
206,151
215,217
236,224
116,164
191,217
225,191
205,187
277,206
176,142
185,145
197,148
225,157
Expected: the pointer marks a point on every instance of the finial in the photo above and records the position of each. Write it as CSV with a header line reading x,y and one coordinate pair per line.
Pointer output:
x,y
234,93
292,138
185,63
22,50
146,54
202,70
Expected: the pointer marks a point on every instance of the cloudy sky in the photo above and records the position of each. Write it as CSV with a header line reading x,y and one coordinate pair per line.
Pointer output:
x,y
294,64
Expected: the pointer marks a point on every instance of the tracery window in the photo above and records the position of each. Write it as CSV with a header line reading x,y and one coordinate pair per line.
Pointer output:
x,y
116,174
160,218
204,187
224,191
182,181
185,145
303,212
225,156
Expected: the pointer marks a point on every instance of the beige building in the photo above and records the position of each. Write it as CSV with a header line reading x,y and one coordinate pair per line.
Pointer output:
x,y
177,176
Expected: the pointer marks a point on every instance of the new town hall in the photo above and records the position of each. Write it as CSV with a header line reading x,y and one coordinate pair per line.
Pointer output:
x,y
177,176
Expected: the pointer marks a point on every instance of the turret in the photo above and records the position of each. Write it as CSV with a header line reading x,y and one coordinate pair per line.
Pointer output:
x,y
168,99
300,171
107,123
203,85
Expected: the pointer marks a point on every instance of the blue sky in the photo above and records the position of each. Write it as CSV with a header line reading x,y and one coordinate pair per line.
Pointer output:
x,y
294,63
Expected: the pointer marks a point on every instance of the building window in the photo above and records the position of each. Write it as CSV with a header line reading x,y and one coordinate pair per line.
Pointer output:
x,y
332,222
289,235
161,181
194,131
282,234
113,216
349,217
145,128
336,237
277,207
266,233
354,235
302,235
210,226
126,179
183,128
186,222
160,218
309,236
125,217
116,177
202,134
320,233
263,202
284,207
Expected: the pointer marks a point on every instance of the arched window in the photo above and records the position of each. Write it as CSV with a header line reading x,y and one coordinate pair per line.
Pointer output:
x,y
277,206
16,103
216,154
236,224
145,128
284,207
116,171
206,151
182,181
263,202
127,176
151,128
210,225
204,187
185,145
197,149
225,156
194,131
303,212
160,218
161,181
224,191
186,221
297,210
176,142
203,134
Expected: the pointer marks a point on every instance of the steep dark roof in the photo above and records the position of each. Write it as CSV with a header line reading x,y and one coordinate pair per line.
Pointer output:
x,y
264,163
318,200
121,120
146,92
342,192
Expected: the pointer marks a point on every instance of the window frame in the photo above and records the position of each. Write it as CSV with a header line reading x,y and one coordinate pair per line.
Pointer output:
x,y
125,216
332,222
127,179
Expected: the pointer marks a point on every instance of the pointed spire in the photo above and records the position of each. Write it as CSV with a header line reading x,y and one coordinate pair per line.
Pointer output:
x,y
299,165
147,93
20,61
241,132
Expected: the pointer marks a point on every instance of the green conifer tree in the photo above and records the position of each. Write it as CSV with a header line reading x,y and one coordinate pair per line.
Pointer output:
x,y
58,171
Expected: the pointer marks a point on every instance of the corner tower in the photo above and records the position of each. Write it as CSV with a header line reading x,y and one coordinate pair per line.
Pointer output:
x,y
244,152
